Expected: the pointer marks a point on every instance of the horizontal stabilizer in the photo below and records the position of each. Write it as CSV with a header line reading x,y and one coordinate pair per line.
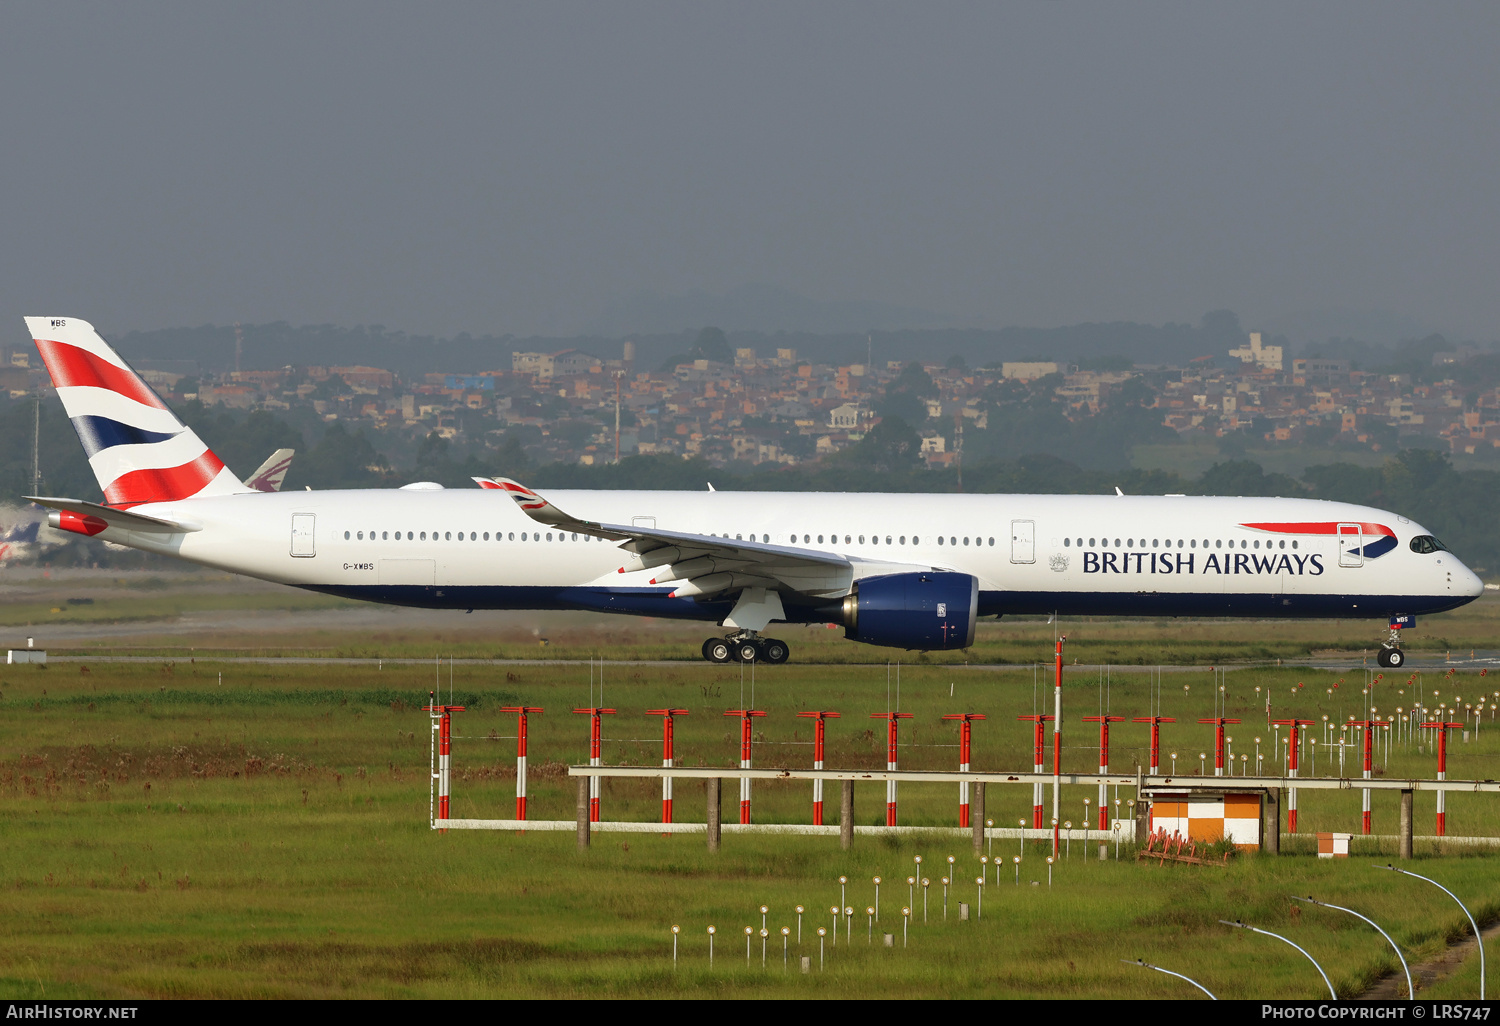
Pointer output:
x,y
82,517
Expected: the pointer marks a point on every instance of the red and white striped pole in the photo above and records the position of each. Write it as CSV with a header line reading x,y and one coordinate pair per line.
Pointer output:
x,y
594,714
1156,722
818,716
1368,726
1039,766
522,712
1294,744
745,745
442,727
1442,805
667,716
1218,722
890,761
964,728
1057,747
1104,722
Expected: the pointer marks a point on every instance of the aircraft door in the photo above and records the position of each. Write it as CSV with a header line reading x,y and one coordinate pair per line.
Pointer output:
x,y
302,534
1023,541
1351,545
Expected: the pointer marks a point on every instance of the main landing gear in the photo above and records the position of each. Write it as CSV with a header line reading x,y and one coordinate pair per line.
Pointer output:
x,y
1391,657
745,647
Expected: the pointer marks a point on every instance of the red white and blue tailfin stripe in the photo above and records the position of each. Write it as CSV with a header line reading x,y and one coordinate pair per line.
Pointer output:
x,y
138,449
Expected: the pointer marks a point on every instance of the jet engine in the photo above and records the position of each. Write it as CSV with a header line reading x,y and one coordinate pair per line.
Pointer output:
x,y
927,611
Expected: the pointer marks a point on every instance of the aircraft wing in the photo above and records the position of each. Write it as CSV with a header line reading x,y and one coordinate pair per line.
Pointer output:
x,y
92,518
708,564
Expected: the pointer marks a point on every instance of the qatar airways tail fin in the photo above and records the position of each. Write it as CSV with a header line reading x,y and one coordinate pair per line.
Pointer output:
x,y
272,473
138,449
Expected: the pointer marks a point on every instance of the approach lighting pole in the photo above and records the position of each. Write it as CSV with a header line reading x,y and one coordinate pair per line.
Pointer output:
x,y
818,716
1155,722
890,760
1368,726
1104,722
1442,727
1293,746
1057,743
442,729
1218,722
1039,766
667,715
964,721
745,716
594,713
522,712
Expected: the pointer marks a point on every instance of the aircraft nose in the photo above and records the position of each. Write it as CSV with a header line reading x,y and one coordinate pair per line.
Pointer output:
x,y
1469,582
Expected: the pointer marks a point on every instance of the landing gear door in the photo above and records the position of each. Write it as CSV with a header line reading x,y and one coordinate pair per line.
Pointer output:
x,y
302,534
1023,541
1351,545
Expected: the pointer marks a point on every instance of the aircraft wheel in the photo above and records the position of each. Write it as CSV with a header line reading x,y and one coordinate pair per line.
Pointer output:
x,y
717,650
775,651
747,651
1392,658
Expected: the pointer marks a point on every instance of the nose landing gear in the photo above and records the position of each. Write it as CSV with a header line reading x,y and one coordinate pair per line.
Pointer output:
x,y
1390,656
746,647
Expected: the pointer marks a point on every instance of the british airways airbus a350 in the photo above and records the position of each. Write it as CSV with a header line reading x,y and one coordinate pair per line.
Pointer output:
x,y
907,571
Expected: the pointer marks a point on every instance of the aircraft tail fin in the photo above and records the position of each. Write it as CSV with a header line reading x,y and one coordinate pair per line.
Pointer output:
x,y
272,473
139,450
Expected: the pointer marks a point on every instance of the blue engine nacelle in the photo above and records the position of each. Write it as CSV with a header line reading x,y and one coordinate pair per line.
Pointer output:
x,y
920,610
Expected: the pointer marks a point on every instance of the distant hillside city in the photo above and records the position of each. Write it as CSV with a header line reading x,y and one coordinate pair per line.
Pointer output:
x,y
733,403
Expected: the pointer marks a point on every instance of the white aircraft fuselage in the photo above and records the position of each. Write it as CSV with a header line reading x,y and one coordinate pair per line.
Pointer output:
x,y
1069,554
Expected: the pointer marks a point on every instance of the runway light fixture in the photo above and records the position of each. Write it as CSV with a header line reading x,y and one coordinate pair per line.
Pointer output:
x,y
1148,965
1477,936
1246,926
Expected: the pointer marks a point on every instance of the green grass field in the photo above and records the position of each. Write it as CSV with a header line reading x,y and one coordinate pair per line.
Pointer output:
x,y
171,835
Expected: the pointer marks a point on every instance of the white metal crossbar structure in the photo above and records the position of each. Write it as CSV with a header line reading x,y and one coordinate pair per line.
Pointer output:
x,y
1118,779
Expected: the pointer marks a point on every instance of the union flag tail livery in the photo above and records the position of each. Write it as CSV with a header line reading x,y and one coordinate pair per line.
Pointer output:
x,y
139,451
907,571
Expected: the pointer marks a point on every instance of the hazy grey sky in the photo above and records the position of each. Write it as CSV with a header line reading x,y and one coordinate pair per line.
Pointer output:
x,y
512,167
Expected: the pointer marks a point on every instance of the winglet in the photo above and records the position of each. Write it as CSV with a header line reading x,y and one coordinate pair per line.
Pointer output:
x,y
532,504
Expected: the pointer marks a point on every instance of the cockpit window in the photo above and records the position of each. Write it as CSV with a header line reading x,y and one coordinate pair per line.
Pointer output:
x,y
1426,543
